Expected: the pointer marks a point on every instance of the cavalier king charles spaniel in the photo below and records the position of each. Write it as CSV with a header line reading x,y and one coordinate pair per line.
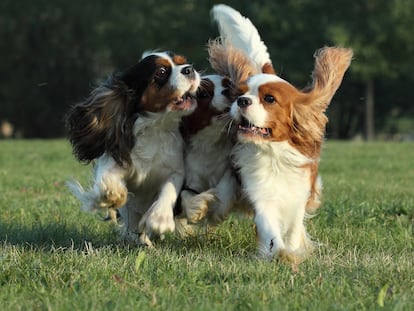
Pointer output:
x,y
129,128
207,149
212,186
280,130
280,134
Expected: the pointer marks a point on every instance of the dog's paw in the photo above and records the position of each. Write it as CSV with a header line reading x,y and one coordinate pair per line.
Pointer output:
x,y
114,198
136,239
294,257
157,220
113,195
196,206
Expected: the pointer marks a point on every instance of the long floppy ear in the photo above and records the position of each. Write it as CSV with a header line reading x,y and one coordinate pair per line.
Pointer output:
x,y
104,121
309,119
100,124
330,66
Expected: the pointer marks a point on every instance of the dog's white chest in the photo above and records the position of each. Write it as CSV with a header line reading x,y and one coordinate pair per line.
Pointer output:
x,y
274,175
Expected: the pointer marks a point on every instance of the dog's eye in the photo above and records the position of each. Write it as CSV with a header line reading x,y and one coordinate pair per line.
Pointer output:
x,y
269,99
161,74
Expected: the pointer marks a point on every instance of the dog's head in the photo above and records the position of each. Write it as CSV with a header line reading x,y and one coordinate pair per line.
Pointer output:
x,y
213,104
272,109
159,84
218,91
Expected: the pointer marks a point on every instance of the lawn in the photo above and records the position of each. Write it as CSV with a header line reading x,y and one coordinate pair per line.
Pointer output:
x,y
54,257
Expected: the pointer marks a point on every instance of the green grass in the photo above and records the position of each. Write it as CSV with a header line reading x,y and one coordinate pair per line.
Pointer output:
x,y
54,257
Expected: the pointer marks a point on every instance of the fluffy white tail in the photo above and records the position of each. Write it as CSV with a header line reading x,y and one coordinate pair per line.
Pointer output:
x,y
239,32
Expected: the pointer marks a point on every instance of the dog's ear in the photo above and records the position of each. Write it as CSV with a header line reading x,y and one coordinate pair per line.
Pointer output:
x,y
104,122
308,117
330,66
100,123
268,68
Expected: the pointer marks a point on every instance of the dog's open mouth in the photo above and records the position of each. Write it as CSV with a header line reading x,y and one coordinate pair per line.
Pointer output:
x,y
185,103
249,129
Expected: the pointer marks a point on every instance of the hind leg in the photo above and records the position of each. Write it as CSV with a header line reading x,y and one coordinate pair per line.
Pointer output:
x,y
108,190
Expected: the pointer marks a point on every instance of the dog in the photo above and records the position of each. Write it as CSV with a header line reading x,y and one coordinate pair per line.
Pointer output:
x,y
280,134
208,144
129,128
212,188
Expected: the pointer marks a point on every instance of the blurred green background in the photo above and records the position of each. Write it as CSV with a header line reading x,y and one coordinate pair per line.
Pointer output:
x,y
53,52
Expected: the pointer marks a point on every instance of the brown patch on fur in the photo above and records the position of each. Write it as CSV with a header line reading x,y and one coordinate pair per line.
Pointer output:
x,y
232,63
268,68
226,83
299,116
179,60
293,118
314,200
242,88
160,61
156,98
228,91
204,112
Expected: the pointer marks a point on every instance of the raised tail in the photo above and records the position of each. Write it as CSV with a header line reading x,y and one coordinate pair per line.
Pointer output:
x,y
239,32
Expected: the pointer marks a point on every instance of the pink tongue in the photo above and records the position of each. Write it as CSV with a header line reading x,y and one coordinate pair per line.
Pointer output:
x,y
187,102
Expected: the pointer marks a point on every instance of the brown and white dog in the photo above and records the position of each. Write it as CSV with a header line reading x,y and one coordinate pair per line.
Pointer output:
x,y
211,187
129,127
209,182
280,134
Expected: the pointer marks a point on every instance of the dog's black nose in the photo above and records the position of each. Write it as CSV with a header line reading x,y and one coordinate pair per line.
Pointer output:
x,y
243,102
187,70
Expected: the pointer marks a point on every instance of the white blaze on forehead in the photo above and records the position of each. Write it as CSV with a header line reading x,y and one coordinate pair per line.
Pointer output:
x,y
258,80
219,101
255,113
160,54
177,80
216,79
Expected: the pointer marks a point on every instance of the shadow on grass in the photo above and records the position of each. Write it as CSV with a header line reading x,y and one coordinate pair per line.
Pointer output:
x,y
233,238
45,236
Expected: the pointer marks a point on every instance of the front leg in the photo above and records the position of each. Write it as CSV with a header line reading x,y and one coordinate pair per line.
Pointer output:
x,y
159,219
269,231
280,234
226,193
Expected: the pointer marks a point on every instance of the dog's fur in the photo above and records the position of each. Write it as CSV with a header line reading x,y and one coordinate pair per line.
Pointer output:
x,y
211,187
280,133
129,127
207,152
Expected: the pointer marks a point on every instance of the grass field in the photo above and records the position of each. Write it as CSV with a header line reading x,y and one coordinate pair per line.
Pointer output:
x,y
54,257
